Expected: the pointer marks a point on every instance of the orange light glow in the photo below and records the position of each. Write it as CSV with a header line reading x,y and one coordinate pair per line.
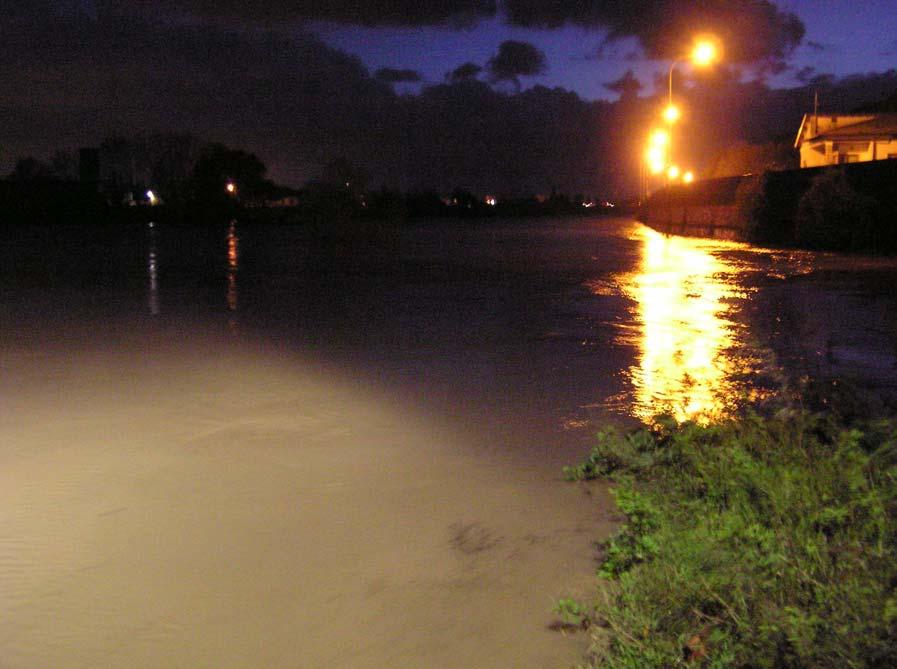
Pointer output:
x,y
659,138
704,52
231,187
688,177
671,114
673,172
655,156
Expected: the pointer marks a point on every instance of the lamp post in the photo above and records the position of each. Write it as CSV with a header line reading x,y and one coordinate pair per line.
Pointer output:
x,y
702,54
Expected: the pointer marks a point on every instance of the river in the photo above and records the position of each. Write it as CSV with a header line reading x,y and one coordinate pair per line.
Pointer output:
x,y
242,446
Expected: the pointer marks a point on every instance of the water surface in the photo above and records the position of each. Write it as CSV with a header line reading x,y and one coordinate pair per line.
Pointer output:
x,y
242,446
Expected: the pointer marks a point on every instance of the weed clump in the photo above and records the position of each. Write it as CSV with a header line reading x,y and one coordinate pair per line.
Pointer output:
x,y
757,541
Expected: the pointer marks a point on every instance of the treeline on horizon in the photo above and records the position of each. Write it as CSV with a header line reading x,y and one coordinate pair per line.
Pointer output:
x,y
178,178
467,134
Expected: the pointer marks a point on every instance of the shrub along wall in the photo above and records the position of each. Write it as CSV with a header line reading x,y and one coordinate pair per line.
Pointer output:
x,y
849,207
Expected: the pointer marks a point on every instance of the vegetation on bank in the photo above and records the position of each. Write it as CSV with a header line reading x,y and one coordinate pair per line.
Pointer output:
x,y
850,207
764,540
828,211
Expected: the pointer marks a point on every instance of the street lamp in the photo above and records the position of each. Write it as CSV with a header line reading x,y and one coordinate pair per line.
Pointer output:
x,y
704,52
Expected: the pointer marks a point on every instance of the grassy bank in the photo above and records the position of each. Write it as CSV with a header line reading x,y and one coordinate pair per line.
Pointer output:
x,y
765,540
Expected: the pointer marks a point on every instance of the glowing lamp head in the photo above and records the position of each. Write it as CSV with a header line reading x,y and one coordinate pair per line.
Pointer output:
x,y
688,177
673,172
231,187
656,166
151,196
704,53
671,114
660,138
655,155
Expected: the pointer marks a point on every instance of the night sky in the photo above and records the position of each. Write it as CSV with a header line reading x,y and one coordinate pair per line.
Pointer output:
x,y
455,93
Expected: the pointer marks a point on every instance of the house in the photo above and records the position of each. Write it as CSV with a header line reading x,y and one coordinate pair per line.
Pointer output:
x,y
833,139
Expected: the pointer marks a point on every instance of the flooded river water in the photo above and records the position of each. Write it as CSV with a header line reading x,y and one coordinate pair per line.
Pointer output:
x,y
238,447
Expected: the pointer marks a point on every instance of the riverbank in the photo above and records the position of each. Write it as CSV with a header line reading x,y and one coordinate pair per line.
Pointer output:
x,y
764,539
849,207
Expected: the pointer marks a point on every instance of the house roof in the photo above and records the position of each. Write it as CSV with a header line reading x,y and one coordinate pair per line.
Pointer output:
x,y
882,125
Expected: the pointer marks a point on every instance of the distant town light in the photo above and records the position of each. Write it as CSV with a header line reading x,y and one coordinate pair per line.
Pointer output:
x,y
688,177
671,114
490,200
151,196
673,172
231,188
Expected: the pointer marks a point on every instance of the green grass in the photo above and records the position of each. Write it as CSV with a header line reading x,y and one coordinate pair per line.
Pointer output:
x,y
757,541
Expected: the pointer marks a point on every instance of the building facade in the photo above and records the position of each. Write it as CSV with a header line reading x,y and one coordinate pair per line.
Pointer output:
x,y
835,139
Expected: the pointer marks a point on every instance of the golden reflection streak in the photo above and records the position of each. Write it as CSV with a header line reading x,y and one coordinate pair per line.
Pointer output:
x,y
682,293
233,265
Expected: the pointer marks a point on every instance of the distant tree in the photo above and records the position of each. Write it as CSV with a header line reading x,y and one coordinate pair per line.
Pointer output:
x,y
64,165
172,158
124,162
31,169
219,165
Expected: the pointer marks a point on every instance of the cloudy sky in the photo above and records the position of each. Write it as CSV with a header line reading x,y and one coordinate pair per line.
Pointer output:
x,y
420,94
841,38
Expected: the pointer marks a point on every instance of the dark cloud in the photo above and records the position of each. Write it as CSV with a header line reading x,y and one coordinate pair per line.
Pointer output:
x,y
753,31
393,76
627,86
805,74
516,59
357,12
464,72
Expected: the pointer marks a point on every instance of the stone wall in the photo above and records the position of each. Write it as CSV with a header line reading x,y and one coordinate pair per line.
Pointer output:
x,y
715,221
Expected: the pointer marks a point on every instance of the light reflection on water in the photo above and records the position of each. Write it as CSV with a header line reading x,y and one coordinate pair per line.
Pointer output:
x,y
682,328
152,268
233,266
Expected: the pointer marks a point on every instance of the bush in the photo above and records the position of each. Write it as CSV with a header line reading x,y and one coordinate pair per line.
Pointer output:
x,y
832,215
751,207
757,541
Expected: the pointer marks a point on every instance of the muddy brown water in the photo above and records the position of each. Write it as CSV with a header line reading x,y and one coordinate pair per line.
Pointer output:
x,y
237,448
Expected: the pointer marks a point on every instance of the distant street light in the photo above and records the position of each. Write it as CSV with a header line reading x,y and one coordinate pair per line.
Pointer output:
x,y
673,172
231,188
688,177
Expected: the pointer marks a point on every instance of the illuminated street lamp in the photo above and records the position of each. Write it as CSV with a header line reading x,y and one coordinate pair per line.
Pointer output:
x,y
659,138
673,172
703,53
231,188
671,114
688,177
